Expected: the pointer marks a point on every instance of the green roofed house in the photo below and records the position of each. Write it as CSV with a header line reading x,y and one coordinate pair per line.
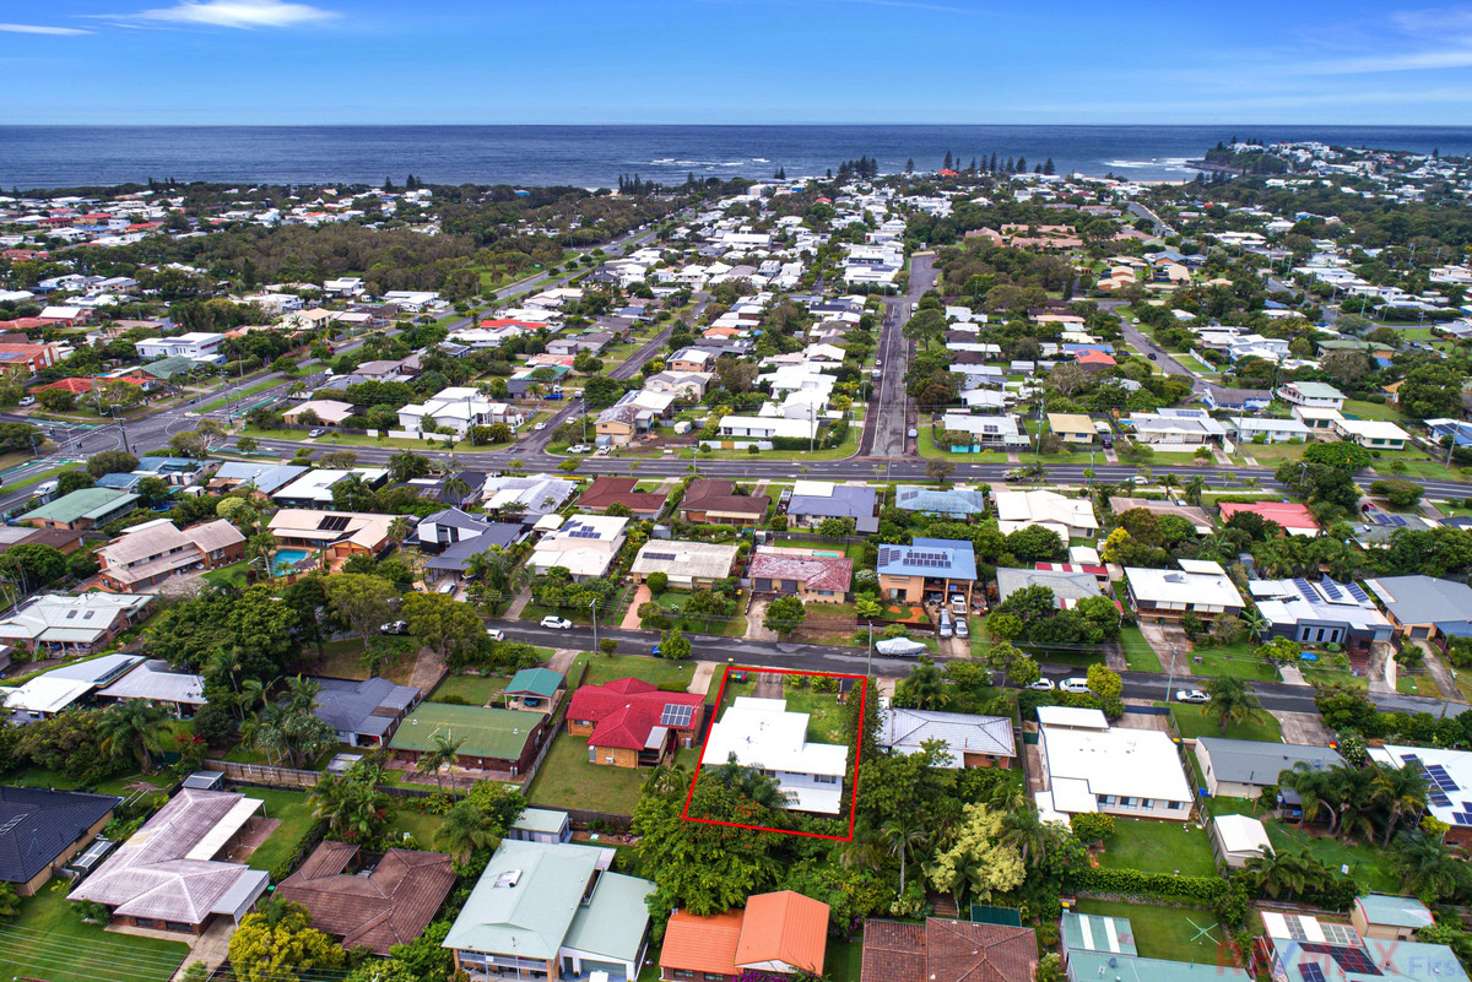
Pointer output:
x,y
84,508
1097,947
552,911
503,741
534,690
168,369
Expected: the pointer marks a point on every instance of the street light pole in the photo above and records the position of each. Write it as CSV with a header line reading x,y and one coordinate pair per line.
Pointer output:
x,y
593,606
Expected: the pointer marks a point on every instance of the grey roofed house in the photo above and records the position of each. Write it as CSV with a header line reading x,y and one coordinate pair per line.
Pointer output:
x,y
448,526
456,557
363,712
154,681
1257,763
906,730
263,477
1068,588
538,495
167,870
846,501
1420,602
952,502
38,826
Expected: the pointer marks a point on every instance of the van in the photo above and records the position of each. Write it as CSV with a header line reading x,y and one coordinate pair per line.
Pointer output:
x,y
946,627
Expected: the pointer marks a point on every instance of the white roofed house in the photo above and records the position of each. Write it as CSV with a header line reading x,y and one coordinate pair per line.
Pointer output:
x,y
1090,766
1187,427
201,346
154,682
456,409
982,432
762,734
970,741
1068,517
584,545
1199,586
1373,434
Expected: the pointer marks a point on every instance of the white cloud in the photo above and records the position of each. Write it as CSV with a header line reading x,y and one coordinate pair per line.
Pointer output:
x,y
239,13
41,29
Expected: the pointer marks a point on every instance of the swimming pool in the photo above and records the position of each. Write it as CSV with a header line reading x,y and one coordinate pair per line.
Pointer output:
x,y
286,561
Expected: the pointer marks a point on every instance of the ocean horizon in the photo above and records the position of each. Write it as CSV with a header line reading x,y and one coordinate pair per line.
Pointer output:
x,y
62,156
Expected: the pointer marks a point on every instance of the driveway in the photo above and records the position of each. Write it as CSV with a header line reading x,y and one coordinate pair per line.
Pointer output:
x,y
1170,644
1306,729
754,615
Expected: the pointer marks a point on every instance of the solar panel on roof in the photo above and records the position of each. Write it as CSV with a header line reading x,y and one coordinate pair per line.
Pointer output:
x,y
1310,972
1295,927
333,523
1438,799
1330,588
1356,591
676,715
1339,934
1353,960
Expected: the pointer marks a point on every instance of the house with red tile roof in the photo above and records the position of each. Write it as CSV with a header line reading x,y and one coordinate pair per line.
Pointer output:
x,y
817,576
605,492
782,933
630,723
1294,517
942,950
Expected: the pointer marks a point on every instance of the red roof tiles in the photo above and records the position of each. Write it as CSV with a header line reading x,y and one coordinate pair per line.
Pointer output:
x,y
625,710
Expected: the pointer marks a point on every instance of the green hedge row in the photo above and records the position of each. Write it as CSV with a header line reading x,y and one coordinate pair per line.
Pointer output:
x,y
1135,883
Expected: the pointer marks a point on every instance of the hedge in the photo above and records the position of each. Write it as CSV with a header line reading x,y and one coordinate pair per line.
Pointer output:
x,y
1135,883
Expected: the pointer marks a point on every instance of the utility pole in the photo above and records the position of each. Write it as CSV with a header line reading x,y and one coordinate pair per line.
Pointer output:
x,y
869,662
592,605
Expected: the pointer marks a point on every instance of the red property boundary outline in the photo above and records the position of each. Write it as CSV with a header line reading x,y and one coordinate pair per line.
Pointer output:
x,y
858,750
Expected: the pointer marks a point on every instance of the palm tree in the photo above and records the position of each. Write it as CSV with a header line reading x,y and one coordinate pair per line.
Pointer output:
x,y
350,804
441,754
1285,873
903,841
1194,489
1354,789
1401,791
1310,785
399,528
466,830
130,727
1231,701
252,694
1426,869
1024,829
1255,622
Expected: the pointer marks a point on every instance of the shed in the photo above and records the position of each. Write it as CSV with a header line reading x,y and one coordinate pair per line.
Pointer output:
x,y
1239,838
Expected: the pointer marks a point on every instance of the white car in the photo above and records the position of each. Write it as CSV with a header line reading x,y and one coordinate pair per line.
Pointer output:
x,y
495,634
555,623
579,448
540,426
602,451
394,627
1139,480
1042,685
316,432
1192,695
1076,683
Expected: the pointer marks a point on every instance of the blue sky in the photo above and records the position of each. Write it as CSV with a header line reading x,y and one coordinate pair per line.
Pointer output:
x,y
733,61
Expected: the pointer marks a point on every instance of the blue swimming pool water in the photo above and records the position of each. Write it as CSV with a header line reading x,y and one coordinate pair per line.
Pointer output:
x,y
285,560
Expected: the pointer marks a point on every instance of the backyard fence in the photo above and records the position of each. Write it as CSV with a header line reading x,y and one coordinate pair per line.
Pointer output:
x,y
265,774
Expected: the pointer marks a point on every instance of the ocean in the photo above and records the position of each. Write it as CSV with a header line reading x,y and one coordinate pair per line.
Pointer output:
x,y
595,156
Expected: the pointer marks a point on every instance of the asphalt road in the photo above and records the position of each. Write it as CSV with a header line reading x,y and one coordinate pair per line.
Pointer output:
x,y
889,415
773,654
1169,365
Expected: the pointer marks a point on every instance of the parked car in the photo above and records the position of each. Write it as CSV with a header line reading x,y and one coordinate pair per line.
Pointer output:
x,y
1074,683
540,426
315,432
555,623
579,448
1042,685
947,628
394,627
27,400
1192,695
958,604
603,452
495,634
1153,357
962,631
912,433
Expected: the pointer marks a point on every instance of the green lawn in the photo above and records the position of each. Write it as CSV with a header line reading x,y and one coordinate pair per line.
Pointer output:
x,y
1356,408
844,960
1236,660
674,676
1367,864
927,447
567,780
1198,721
232,575
291,808
730,627
1138,654
49,941
853,550
421,825
827,720
1159,847
1416,684
1164,932
469,690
